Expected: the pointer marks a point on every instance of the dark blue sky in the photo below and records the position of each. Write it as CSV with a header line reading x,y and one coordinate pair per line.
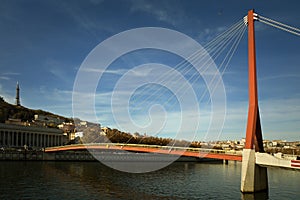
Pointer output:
x,y
43,43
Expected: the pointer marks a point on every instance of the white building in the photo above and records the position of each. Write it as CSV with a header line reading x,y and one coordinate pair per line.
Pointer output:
x,y
18,136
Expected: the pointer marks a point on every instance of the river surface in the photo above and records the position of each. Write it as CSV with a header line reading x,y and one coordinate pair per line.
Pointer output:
x,y
92,180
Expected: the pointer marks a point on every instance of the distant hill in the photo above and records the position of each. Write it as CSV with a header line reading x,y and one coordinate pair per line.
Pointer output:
x,y
8,110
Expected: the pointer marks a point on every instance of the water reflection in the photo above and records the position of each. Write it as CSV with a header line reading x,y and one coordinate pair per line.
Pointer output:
x,y
255,196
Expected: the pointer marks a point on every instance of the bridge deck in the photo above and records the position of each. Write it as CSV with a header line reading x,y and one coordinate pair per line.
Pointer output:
x,y
180,151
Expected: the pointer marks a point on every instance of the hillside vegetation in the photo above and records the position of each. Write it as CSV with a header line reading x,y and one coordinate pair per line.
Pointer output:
x,y
8,110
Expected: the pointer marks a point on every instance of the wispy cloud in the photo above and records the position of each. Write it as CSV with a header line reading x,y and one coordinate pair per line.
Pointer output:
x,y
86,22
7,75
281,76
58,73
279,118
109,71
59,70
6,95
80,18
209,33
163,11
4,78
11,73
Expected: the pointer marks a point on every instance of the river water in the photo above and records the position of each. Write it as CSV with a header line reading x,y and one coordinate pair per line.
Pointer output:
x,y
92,180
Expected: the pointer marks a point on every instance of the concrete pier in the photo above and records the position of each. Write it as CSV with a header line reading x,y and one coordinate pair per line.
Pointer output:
x,y
254,177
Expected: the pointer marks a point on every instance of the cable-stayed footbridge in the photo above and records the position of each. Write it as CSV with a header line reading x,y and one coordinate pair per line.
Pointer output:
x,y
254,175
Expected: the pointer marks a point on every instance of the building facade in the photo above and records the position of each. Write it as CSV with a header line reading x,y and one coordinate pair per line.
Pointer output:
x,y
18,136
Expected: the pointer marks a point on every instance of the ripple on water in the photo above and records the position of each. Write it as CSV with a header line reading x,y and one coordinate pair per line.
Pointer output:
x,y
92,180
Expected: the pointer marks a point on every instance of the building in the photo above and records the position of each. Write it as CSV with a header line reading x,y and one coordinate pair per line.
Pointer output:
x,y
86,124
79,134
68,129
17,136
104,130
47,120
15,122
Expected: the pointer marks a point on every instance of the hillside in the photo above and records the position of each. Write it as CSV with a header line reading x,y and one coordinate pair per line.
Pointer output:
x,y
8,110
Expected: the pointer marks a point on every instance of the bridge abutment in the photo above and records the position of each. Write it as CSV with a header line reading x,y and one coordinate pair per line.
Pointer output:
x,y
254,177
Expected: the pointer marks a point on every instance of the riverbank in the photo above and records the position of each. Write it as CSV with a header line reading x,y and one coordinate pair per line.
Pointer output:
x,y
96,156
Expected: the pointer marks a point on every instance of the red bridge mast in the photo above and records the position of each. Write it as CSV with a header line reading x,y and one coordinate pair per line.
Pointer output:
x,y
254,178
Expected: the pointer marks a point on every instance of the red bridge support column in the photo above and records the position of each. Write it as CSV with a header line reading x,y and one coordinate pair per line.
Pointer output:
x,y
254,178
